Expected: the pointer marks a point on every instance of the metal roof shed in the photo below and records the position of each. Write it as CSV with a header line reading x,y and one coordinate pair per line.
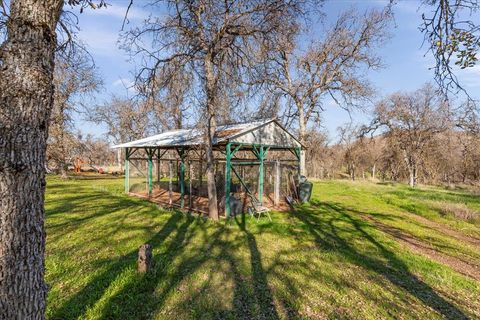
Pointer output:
x,y
230,141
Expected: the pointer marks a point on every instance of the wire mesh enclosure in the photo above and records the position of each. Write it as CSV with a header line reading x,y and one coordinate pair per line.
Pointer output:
x,y
177,178
255,164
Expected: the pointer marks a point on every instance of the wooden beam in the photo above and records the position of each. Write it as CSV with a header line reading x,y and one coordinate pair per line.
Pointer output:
x,y
228,178
170,169
278,176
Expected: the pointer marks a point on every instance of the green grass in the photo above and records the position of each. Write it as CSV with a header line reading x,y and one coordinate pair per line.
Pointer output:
x,y
329,259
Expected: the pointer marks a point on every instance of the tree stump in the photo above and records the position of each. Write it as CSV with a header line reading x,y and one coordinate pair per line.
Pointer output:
x,y
145,258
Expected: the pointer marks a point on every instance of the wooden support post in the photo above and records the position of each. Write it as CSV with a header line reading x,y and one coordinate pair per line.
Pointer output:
x,y
260,174
158,165
170,169
127,170
182,177
228,157
150,172
190,173
242,173
277,183
200,170
301,163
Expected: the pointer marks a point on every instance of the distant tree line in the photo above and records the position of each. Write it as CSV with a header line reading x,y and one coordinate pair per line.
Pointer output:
x,y
414,137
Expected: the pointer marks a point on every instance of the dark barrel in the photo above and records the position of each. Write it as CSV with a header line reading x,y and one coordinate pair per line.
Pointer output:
x,y
305,190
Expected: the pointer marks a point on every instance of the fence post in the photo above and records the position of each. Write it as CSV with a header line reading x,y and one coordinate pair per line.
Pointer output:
x,y
182,177
145,258
127,171
170,169
150,172
277,183
158,166
228,157
260,175
190,173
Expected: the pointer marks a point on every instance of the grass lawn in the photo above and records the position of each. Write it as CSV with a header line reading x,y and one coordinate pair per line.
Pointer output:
x,y
358,250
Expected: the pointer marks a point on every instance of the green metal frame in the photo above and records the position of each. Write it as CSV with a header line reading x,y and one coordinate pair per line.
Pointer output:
x,y
231,148
229,154
228,177
150,153
260,153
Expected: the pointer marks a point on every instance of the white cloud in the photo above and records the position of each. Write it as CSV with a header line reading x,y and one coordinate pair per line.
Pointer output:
x,y
117,11
125,83
100,41
470,77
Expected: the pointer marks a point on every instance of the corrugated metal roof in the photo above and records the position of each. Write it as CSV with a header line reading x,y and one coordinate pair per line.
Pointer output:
x,y
193,137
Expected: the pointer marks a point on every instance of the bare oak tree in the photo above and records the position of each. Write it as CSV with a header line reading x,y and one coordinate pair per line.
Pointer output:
x,y
334,67
125,119
220,43
412,121
74,79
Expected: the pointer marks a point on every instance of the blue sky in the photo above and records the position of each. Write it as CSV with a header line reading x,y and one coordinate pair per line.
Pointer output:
x,y
406,66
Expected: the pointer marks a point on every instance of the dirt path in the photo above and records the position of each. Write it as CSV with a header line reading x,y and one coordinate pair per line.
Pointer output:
x,y
445,230
423,248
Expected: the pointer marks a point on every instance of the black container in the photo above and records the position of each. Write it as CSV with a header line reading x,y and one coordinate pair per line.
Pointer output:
x,y
305,191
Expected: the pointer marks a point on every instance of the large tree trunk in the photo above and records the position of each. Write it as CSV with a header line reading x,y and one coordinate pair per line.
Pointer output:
x,y
26,97
63,168
411,163
210,133
413,176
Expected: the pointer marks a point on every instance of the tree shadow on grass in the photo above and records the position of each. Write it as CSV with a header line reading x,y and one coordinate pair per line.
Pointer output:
x,y
252,297
143,295
77,305
327,234
184,245
263,295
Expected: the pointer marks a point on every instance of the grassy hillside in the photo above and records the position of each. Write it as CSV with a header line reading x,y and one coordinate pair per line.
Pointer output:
x,y
357,251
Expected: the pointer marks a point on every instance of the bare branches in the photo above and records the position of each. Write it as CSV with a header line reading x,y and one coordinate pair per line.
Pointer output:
x,y
412,122
125,19
93,4
334,66
234,36
468,118
4,14
453,37
125,119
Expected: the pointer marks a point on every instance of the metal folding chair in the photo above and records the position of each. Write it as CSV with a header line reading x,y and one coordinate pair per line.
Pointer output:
x,y
256,209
